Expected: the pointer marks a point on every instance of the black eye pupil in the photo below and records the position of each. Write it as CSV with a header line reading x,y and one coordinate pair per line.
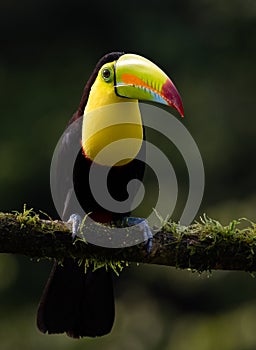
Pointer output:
x,y
106,73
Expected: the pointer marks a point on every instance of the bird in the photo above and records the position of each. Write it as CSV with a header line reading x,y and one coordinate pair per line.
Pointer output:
x,y
76,301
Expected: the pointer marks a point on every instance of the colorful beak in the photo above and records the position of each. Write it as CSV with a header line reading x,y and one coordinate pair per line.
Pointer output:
x,y
138,78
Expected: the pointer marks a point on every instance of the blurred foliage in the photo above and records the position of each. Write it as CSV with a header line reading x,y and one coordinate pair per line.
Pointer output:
x,y
48,50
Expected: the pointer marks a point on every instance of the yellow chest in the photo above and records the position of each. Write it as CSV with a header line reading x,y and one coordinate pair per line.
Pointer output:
x,y
112,134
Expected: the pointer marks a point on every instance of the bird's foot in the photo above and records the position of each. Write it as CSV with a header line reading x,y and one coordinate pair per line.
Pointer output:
x,y
144,227
75,220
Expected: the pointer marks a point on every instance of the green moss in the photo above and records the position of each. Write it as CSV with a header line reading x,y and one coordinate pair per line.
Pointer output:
x,y
204,243
115,266
27,217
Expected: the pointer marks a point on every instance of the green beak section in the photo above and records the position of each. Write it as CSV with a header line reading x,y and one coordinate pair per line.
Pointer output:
x,y
138,78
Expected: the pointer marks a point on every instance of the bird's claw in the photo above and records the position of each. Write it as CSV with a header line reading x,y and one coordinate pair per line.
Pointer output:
x,y
144,227
75,220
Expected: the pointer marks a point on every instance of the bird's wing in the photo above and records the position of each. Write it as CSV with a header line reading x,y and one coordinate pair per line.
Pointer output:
x,y
65,154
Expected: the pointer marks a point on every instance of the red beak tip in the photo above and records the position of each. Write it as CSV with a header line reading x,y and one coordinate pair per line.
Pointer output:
x,y
180,110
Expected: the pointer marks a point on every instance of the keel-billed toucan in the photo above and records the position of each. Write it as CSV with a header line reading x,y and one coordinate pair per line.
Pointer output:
x,y
75,302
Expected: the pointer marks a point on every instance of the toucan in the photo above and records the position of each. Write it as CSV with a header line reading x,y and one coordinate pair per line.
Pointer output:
x,y
75,301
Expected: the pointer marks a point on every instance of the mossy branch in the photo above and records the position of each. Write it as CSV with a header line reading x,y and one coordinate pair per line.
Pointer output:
x,y
204,245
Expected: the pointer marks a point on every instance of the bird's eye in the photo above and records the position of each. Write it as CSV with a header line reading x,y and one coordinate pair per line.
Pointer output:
x,y
106,74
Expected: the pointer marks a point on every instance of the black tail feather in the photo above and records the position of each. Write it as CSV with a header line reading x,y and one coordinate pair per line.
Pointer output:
x,y
78,303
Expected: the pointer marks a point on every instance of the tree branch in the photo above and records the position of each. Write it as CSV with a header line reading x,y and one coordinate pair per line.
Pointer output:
x,y
204,245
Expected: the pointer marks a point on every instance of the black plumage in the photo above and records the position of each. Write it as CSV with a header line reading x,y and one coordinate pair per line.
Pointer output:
x,y
78,303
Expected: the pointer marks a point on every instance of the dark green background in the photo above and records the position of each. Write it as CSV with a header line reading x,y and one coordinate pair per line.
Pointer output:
x,y
48,49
